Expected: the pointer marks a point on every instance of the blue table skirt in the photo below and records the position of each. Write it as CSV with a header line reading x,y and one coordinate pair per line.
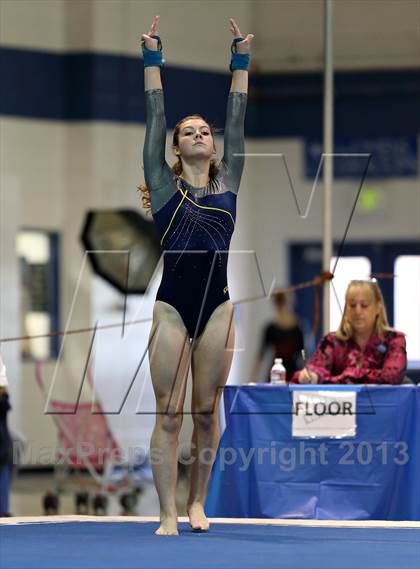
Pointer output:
x,y
262,472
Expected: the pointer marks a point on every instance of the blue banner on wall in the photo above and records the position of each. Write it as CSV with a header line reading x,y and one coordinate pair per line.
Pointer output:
x,y
393,157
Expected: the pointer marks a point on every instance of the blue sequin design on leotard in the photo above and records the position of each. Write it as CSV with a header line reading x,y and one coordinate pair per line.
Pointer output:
x,y
196,234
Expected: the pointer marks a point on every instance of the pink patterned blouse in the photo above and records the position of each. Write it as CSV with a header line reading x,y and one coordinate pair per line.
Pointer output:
x,y
382,360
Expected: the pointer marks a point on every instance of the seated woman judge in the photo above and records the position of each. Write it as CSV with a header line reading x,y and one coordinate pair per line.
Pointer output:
x,y
365,349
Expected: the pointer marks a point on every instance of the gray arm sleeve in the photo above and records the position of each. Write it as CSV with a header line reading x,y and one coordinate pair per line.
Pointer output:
x,y
234,141
157,173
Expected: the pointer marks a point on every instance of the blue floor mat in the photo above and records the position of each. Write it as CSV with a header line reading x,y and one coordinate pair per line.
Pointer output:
x,y
124,545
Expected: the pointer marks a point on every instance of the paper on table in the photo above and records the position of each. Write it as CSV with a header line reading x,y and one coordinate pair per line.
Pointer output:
x,y
321,413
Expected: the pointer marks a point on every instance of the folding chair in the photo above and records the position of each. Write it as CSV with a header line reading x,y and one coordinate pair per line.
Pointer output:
x,y
86,444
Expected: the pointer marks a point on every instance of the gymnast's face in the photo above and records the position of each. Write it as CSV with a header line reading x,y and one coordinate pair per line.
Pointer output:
x,y
195,140
361,310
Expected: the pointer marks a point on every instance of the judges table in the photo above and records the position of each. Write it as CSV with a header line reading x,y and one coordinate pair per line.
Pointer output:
x,y
263,471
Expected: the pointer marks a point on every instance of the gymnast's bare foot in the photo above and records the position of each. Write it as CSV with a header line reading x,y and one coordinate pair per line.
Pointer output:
x,y
198,519
168,526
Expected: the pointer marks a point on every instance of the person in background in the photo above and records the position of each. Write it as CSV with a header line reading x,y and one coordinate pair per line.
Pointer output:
x,y
5,443
365,349
282,338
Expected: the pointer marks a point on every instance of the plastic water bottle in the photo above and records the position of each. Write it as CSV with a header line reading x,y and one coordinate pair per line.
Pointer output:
x,y
278,372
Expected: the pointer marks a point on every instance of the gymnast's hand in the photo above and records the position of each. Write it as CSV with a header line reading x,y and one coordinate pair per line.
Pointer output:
x,y
150,42
308,376
243,46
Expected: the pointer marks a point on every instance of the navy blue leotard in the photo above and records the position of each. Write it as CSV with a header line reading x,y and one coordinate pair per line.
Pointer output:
x,y
196,224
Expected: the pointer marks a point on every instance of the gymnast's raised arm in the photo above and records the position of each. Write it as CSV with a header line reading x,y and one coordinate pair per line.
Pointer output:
x,y
157,172
235,115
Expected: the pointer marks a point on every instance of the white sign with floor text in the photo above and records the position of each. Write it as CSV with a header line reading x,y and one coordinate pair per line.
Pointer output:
x,y
324,414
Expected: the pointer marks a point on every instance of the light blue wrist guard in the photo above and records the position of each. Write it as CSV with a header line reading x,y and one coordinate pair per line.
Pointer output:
x,y
151,57
238,60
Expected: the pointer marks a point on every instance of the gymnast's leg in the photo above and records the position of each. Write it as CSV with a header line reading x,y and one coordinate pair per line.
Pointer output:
x,y
169,355
211,361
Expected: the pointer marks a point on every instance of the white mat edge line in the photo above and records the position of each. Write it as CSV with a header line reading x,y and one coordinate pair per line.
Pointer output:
x,y
244,521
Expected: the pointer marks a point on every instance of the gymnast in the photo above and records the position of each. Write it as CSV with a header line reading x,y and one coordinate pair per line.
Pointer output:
x,y
193,205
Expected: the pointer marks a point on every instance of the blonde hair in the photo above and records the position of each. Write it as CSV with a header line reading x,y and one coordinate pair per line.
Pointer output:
x,y
177,167
345,330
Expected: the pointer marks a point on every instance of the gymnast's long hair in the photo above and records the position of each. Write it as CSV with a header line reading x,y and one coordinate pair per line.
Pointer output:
x,y
177,167
345,330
